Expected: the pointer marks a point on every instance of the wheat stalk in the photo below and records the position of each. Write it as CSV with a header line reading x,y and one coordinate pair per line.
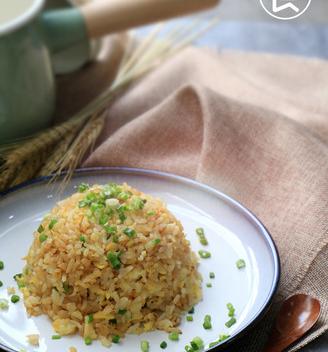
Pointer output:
x,y
63,147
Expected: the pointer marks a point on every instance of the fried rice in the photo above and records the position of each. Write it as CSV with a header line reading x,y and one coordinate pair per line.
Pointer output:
x,y
110,260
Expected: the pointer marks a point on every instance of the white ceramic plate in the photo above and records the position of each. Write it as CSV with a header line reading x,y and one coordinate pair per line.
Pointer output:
x,y
232,231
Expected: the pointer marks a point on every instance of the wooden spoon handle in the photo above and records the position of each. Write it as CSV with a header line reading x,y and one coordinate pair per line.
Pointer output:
x,y
108,16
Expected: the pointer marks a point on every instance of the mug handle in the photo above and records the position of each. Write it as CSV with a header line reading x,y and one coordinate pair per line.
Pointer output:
x,y
63,28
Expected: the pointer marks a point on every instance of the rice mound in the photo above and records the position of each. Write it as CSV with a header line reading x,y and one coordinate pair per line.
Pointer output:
x,y
110,260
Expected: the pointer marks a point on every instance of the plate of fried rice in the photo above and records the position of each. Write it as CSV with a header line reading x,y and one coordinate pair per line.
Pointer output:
x,y
130,260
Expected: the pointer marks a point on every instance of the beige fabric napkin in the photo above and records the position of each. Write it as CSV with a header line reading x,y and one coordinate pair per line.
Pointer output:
x,y
252,125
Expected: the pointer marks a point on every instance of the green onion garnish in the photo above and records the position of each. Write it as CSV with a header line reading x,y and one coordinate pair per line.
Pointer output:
x,y
151,213
82,239
1,283
163,345
4,304
241,263
15,298
83,187
103,219
88,340
52,223
189,318
144,345
123,196
122,311
191,311
89,318
55,337
40,229
137,203
197,343
231,310
207,322
220,339
209,285
129,232
201,234
204,254
43,237
212,275
230,322
114,259
174,336
116,339
2,265
66,287
156,241
111,230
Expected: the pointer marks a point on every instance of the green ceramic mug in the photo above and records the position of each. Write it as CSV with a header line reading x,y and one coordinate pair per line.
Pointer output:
x,y
29,38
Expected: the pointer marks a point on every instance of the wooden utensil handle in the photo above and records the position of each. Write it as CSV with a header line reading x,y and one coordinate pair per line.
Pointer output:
x,y
108,16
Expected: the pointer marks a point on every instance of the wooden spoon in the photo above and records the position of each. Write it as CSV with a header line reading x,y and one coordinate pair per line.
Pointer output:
x,y
296,316
109,16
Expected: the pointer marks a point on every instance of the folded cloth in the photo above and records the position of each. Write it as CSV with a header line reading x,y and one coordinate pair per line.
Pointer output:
x,y
252,125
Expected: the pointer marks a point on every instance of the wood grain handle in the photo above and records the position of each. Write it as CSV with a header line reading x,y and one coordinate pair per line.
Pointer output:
x,y
108,16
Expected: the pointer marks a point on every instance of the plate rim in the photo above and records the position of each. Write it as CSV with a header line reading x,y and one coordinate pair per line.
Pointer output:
x,y
167,175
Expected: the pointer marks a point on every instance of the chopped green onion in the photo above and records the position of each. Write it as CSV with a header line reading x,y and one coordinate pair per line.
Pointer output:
x,y
40,229
18,276
89,318
103,219
82,239
2,265
212,275
203,241
122,217
137,203
201,234
82,204
204,254
174,336
200,231
115,239
1,283
151,213
111,230
163,345
189,318
83,187
207,322
241,263
189,349
43,237
114,259
231,310
88,341
156,241
209,285
15,298
192,310
116,339
55,337
66,287
4,304
197,344
129,232
220,339
144,345
230,322
52,223
122,311
123,196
